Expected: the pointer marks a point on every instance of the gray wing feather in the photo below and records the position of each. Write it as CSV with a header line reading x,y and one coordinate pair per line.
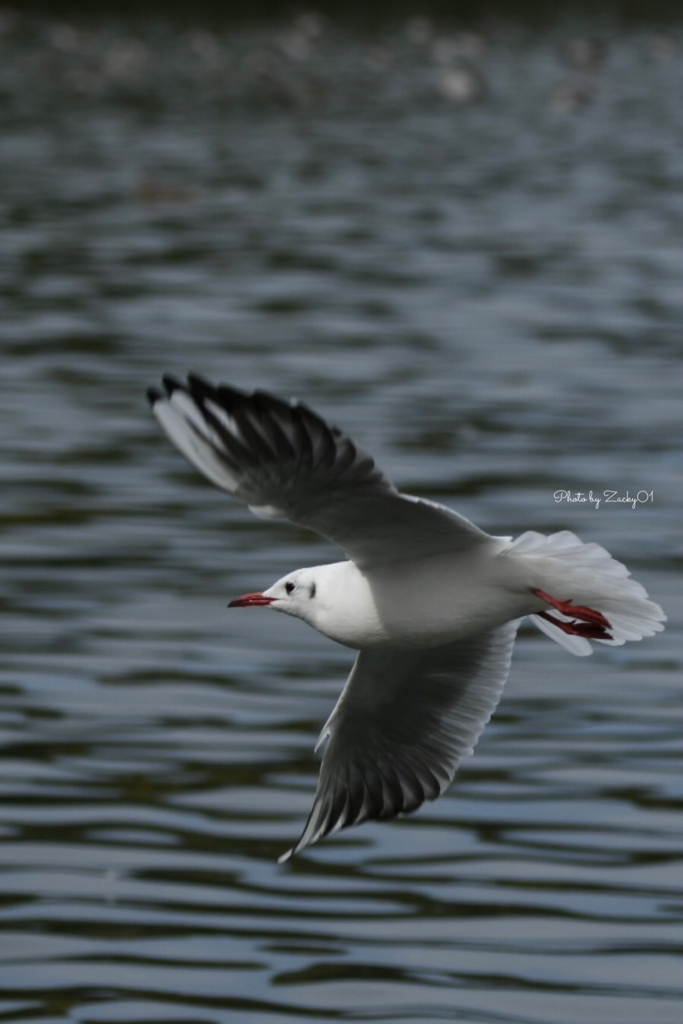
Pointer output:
x,y
404,722
281,459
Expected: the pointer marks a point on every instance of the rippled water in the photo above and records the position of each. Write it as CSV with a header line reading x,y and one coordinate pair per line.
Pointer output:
x,y
488,296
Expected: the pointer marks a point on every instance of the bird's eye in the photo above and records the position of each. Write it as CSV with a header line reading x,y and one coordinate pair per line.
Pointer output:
x,y
290,587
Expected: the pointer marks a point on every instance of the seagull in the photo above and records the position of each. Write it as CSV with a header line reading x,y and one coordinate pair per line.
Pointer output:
x,y
430,602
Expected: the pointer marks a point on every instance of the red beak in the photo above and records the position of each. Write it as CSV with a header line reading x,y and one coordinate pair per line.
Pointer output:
x,y
247,600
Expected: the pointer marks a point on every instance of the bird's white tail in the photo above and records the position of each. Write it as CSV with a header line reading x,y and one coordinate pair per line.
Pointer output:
x,y
587,575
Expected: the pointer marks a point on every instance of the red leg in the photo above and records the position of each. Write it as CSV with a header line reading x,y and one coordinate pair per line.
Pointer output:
x,y
579,611
589,630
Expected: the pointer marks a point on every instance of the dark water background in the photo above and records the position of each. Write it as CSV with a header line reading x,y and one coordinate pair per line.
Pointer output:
x,y
487,294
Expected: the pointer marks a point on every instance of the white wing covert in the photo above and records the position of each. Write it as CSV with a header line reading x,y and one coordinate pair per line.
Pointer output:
x,y
404,722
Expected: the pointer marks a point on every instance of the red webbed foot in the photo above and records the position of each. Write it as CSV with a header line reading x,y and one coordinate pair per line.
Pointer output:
x,y
586,622
578,611
589,630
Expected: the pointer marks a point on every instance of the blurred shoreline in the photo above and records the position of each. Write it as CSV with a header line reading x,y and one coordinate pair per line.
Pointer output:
x,y
358,15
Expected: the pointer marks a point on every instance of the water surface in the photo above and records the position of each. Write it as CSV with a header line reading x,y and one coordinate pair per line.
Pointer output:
x,y
488,297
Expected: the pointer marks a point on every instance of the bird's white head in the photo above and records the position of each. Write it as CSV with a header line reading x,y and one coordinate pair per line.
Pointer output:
x,y
295,594
335,599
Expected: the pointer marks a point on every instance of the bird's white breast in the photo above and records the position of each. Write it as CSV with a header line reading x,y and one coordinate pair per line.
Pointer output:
x,y
423,602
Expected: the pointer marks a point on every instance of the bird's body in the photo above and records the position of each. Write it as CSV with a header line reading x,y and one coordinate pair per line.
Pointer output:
x,y
431,602
461,592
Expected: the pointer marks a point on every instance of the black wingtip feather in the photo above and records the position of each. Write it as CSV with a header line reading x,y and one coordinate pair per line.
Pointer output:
x,y
153,396
199,386
170,383
228,396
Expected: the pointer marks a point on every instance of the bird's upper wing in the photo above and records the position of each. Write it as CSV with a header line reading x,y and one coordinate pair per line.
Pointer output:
x,y
401,727
283,460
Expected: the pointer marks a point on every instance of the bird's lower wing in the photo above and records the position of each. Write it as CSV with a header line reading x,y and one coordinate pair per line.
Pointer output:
x,y
404,722
282,460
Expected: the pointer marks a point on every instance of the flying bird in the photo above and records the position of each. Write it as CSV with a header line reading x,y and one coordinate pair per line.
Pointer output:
x,y
431,602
